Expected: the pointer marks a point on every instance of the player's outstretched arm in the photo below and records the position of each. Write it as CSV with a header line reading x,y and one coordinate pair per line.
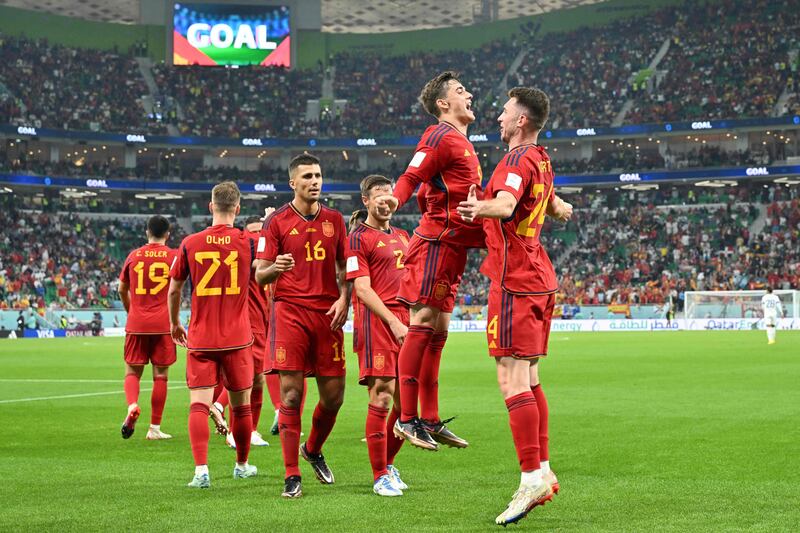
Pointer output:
x,y
268,271
501,206
559,209
125,295
174,305
338,311
365,293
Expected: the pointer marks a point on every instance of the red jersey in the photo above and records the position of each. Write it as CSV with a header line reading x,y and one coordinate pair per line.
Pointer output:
x,y
146,271
448,163
257,301
516,258
217,262
378,254
316,243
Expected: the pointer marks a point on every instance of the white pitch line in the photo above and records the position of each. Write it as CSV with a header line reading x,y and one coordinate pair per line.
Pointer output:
x,y
65,396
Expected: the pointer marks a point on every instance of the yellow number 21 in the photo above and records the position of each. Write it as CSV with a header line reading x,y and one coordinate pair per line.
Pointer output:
x,y
231,261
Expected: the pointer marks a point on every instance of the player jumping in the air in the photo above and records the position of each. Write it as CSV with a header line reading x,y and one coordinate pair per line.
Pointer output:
x,y
523,285
142,285
218,261
375,256
772,307
302,250
447,162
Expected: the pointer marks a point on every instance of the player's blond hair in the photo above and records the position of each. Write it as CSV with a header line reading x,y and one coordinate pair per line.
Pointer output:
x,y
225,196
535,102
436,89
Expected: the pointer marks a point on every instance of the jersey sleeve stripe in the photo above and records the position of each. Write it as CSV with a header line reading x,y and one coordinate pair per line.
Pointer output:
x,y
274,215
252,251
355,238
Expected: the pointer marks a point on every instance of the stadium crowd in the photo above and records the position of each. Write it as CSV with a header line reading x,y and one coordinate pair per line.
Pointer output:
x,y
734,68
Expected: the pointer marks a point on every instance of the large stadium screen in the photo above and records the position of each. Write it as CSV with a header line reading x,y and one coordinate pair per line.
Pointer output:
x,y
231,35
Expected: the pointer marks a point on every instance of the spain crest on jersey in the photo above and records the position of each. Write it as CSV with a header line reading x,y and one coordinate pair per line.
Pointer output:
x,y
327,228
440,290
280,355
379,361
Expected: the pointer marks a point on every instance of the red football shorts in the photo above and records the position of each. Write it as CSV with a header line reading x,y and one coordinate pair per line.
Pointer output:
x,y
375,344
159,350
519,325
301,339
432,274
203,369
259,353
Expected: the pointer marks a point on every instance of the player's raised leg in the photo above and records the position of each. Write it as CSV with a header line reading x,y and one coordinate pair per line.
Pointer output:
x,y
133,376
544,441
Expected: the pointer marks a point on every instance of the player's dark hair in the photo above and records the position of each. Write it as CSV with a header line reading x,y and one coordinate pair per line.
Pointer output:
x,y
436,89
373,180
158,226
225,196
535,102
252,219
769,290
302,159
358,216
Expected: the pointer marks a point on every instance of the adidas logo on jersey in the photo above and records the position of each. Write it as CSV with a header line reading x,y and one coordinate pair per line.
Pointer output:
x,y
381,244
466,153
311,230
294,232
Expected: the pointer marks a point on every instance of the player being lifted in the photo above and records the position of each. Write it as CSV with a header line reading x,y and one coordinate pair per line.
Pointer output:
x,y
142,281
771,305
375,257
446,161
302,250
523,285
218,262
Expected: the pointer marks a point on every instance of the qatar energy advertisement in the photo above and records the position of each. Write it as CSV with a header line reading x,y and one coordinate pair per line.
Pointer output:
x,y
231,35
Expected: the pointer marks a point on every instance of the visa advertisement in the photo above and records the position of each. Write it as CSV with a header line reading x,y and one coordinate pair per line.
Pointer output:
x,y
231,35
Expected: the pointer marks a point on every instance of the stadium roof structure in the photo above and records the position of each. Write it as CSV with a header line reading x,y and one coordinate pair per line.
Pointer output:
x,y
339,16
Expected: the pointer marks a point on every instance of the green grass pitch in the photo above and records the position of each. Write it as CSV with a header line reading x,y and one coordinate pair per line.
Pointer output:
x,y
683,431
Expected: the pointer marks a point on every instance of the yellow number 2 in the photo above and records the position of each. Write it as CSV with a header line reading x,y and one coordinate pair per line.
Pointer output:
x,y
399,255
231,261
524,228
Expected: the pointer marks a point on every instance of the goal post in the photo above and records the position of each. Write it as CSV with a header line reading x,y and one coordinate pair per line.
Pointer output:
x,y
737,304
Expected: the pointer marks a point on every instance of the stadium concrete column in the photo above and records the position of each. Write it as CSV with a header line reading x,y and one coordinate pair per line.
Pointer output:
x,y
55,153
363,164
130,157
587,149
286,157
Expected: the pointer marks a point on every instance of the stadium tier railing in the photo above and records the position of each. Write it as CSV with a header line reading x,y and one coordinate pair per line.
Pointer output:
x,y
744,304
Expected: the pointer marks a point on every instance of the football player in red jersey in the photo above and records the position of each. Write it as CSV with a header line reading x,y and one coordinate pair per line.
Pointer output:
x,y
375,257
302,250
142,281
523,285
218,261
447,162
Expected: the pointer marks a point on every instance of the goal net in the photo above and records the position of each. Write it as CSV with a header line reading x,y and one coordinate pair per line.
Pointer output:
x,y
737,304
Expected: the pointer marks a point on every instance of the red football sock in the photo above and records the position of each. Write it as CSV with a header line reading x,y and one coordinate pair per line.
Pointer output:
x,y
376,439
274,389
289,425
222,399
429,378
321,426
256,399
131,388
544,414
393,444
242,428
158,399
523,417
199,432
218,390
410,363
